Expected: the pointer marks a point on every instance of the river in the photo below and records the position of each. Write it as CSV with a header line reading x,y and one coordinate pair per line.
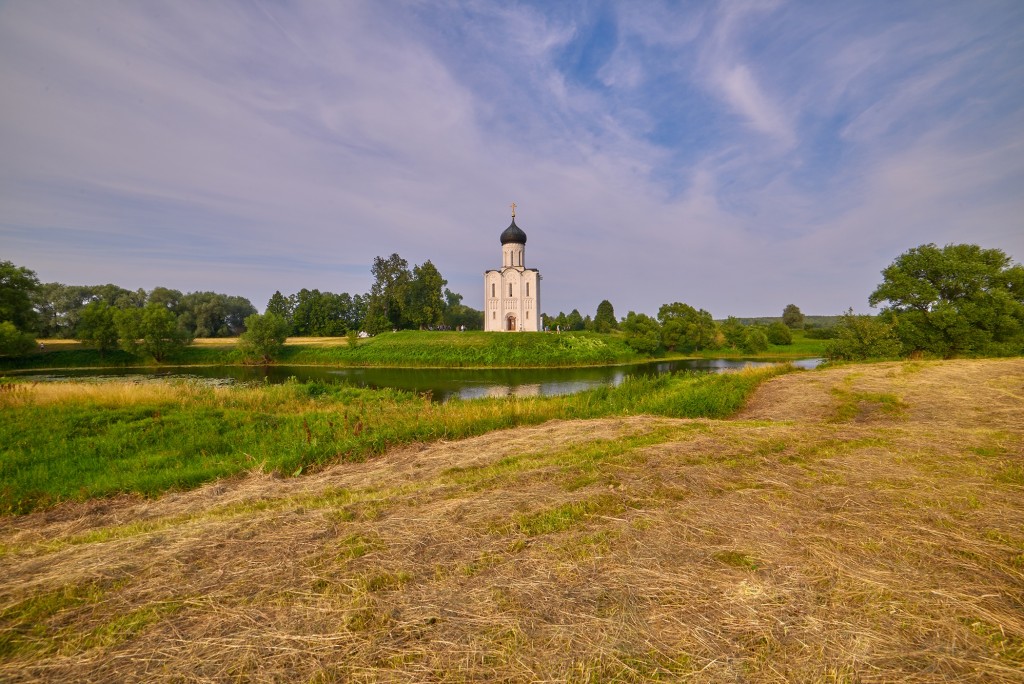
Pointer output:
x,y
442,383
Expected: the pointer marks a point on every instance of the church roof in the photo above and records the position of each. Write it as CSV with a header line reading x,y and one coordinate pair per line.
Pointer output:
x,y
513,234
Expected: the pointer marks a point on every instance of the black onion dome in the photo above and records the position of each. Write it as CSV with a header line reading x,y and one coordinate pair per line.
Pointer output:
x,y
513,234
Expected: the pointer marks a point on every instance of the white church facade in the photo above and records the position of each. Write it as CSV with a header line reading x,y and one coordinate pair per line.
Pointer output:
x,y
512,293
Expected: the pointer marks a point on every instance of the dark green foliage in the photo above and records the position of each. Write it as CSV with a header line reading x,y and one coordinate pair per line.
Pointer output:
x,y
642,332
426,303
457,314
754,341
152,330
264,337
197,314
734,332
862,337
686,329
317,314
280,305
59,308
17,286
779,333
574,320
388,294
98,327
14,342
209,314
792,317
604,320
954,300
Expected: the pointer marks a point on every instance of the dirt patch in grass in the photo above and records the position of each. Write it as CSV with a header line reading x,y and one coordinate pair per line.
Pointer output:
x,y
804,540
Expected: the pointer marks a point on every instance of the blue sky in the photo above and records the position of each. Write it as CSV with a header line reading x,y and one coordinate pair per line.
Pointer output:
x,y
736,156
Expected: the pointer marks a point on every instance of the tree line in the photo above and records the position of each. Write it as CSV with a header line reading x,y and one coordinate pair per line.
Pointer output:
x,y
161,320
957,300
399,299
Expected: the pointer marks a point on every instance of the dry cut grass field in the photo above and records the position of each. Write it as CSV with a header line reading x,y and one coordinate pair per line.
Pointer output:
x,y
860,524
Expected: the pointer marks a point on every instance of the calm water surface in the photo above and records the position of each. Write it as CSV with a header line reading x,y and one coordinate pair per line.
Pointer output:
x,y
441,383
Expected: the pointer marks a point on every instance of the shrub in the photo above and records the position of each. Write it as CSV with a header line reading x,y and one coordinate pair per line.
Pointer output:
x,y
778,333
264,337
863,337
13,342
755,341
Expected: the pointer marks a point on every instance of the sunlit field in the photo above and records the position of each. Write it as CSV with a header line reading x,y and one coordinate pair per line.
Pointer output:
x,y
860,523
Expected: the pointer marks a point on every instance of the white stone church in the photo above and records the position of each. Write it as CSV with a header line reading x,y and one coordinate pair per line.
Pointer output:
x,y
512,293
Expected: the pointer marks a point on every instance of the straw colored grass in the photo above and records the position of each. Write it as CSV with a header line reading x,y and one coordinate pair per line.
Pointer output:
x,y
857,524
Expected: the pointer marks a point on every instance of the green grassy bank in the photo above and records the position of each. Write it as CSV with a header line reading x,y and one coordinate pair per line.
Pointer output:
x,y
74,441
406,349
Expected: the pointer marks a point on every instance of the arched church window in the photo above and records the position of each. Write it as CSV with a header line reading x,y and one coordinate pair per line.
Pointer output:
x,y
492,290
527,289
510,289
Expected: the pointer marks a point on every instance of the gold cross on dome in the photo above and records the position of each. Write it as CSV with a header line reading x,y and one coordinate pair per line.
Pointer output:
x,y
513,205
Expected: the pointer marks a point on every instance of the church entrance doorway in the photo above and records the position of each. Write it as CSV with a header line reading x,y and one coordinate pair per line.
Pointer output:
x,y
511,321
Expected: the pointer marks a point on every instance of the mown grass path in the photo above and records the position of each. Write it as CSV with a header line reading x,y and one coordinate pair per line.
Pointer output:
x,y
863,523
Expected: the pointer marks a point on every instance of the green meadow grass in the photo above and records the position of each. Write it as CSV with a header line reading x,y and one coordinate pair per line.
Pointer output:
x,y
68,441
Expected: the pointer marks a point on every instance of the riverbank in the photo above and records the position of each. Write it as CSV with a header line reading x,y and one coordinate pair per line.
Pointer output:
x,y
79,440
405,349
857,523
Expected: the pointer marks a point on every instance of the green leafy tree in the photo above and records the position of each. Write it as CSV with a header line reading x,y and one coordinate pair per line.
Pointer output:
x,y
210,314
860,337
643,334
734,332
574,321
17,285
425,303
280,305
457,314
59,308
604,319
779,333
264,337
957,299
119,297
685,328
388,294
792,317
152,330
97,326
318,314
755,340
14,342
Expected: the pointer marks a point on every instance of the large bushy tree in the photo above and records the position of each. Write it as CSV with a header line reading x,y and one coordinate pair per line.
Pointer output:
x,y
860,337
685,328
264,337
14,342
957,299
425,305
779,333
604,319
388,294
152,330
643,334
98,326
17,286
792,316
